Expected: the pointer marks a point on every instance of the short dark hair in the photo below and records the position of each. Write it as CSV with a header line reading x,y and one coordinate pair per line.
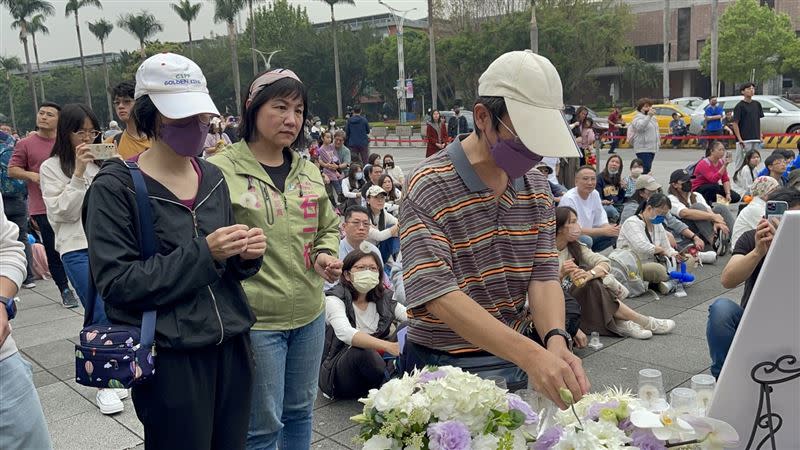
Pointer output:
x,y
675,114
374,295
283,88
353,210
70,120
642,102
53,105
586,167
657,200
636,162
126,88
497,108
785,152
712,97
145,115
773,158
357,109
373,158
786,194
746,85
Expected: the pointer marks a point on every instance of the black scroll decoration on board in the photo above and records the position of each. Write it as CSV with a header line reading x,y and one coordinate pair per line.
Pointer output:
x,y
767,374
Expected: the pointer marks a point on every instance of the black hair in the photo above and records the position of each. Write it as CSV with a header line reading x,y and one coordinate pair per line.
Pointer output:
x,y
145,116
373,157
388,155
714,144
642,102
125,89
789,195
53,105
374,295
389,195
675,114
636,161
70,120
562,217
357,109
746,85
351,176
497,109
355,209
687,198
586,166
785,152
773,158
283,88
616,179
657,200
746,163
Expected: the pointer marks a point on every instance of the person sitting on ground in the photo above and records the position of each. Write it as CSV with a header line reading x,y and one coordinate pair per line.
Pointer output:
x,y
711,176
355,230
744,267
611,189
598,292
216,140
794,179
372,173
637,169
352,184
393,194
712,224
746,173
677,128
776,166
597,233
385,228
359,316
750,215
791,163
329,161
394,171
556,189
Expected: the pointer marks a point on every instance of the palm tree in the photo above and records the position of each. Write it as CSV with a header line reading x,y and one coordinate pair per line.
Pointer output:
x,y
187,12
101,29
7,64
226,11
534,28
143,25
21,10
72,8
37,26
336,54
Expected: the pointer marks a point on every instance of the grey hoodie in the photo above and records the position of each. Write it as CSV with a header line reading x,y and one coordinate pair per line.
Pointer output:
x,y
645,129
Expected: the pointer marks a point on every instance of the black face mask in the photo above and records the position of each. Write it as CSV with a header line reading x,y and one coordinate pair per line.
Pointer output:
x,y
686,186
388,164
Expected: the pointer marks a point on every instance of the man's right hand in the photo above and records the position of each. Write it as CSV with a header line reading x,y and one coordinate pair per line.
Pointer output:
x,y
34,177
610,230
765,233
553,370
228,241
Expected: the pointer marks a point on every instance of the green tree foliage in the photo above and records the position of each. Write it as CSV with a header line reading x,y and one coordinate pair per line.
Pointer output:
x,y
751,36
382,64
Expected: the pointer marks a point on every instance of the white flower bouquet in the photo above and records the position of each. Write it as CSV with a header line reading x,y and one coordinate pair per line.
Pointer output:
x,y
445,408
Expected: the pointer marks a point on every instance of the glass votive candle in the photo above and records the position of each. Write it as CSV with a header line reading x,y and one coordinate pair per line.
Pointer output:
x,y
704,385
683,400
651,386
498,381
530,397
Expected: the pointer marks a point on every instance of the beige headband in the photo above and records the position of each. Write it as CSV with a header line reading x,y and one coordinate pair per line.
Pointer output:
x,y
268,78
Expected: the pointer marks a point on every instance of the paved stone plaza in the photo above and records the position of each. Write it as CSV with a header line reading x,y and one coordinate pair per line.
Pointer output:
x,y
46,332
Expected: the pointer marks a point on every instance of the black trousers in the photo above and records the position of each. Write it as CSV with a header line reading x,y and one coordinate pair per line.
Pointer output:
x,y
198,399
53,258
710,192
16,209
356,372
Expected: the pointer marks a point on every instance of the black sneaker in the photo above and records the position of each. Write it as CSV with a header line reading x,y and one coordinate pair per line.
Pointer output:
x,y
68,299
720,243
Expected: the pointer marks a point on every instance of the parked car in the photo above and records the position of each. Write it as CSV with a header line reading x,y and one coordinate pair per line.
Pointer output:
x,y
464,112
690,103
664,116
780,114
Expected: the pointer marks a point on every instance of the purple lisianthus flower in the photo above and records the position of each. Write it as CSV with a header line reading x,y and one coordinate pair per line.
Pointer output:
x,y
549,438
626,425
450,435
430,376
645,440
594,411
516,402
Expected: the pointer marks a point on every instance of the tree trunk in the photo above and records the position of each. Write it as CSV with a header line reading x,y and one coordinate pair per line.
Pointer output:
x,y
105,74
38,69
87,93
534,28
253,38
142,49
11,101
665,69
237,88
336,66
30,72
432,53
191,45
714,47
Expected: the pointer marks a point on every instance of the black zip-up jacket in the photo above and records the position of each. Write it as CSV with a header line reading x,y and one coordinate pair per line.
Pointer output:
x,y
199,302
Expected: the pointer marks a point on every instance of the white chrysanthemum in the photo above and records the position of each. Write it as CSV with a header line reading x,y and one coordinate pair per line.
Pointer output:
x,y
379,442
484,442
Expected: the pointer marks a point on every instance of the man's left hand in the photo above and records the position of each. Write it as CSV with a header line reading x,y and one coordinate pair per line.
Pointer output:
x,y
558,346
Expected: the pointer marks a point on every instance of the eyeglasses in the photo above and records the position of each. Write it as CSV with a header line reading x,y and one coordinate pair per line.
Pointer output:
x,y
359,223
83,134
363,268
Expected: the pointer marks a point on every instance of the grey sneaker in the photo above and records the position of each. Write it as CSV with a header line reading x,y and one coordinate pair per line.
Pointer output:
x,y
631,329
68,299
28,284
666,287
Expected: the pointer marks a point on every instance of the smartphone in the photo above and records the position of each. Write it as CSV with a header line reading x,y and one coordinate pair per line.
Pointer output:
x,y
775,209
103,151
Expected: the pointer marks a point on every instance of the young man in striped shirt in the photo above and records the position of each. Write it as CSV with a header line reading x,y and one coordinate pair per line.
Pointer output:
x,y
478,239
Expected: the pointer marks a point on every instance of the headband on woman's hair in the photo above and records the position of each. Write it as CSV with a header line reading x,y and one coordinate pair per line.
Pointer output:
x,y
268,78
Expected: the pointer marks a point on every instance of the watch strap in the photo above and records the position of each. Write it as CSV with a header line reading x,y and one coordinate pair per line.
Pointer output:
x,y
559,332
9,306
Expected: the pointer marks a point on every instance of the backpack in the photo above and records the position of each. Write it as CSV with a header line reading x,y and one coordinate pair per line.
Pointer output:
x,y
9,186
627,269
690,168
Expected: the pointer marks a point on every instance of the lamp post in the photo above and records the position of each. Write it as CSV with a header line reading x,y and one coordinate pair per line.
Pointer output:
x,y
399,17
266,60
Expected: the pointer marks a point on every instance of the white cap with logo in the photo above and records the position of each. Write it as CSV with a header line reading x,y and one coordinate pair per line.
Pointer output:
x,y
532,90
176,86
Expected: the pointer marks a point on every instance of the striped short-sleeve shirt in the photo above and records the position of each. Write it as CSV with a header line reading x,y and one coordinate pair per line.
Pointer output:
x,y
455,235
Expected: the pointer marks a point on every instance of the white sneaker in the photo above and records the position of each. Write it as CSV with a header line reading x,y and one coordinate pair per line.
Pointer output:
x,y
122,394
665,287
631,329
108,402
659,326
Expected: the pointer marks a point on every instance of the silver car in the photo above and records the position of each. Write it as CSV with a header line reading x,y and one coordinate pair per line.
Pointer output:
x,y
780,115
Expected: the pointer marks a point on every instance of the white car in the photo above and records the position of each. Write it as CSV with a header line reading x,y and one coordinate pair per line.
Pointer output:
x,y
780,115
688,102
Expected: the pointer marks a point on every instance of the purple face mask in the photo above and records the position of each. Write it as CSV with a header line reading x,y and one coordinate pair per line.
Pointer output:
x,y
185,139
513,157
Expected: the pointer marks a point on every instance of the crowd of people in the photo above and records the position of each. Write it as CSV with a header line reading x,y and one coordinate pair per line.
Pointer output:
x,y
291,259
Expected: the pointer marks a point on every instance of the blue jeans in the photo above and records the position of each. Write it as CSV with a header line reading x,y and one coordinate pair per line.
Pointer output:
x,y
598,243
612,213
647,159
285,386
22,423
76,264
723,319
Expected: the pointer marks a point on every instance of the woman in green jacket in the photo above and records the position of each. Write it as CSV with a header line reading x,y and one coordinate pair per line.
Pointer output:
x,y
275,189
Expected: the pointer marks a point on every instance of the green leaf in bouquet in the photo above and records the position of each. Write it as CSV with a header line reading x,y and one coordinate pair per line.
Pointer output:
x,y
516,419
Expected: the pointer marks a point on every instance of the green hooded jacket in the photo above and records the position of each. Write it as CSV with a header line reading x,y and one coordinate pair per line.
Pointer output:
x,y
299,223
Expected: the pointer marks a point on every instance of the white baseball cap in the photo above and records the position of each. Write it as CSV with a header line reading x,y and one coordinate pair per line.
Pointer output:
x,y
531,88
176,86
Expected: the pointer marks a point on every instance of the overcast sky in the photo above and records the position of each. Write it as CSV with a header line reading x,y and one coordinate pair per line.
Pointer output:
x,y
62,41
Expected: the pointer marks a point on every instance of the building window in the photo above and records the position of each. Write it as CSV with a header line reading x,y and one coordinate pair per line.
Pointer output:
x,y
770,3
684,33
650,53
700,44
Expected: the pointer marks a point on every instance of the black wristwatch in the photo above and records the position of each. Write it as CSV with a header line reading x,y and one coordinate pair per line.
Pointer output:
x,y
10,305
559,332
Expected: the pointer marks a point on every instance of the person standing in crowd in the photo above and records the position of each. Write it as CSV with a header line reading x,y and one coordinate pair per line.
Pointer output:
x,y
216,140
200,396
611,189
747,123
751,214
273,188
712,224
130,142
746,173
597,233
727,123
711,176
393,170
713,115
587,139
744,266
457,124
482,183
15,199
22,423
351,186
342,152
599,294
329,161
436,133
677,127
29,154
643,131
113,130
357,132
360,315
615,123
65,177
637,169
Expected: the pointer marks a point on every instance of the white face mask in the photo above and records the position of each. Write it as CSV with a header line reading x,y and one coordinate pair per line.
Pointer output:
x,y
365,281
636,171
613,171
